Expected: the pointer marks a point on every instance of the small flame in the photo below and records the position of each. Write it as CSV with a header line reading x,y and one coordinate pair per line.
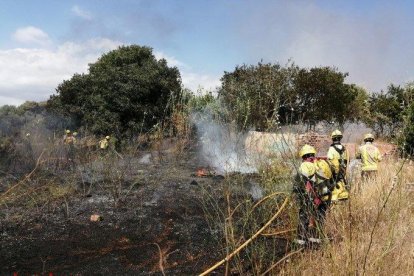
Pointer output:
x,y
202,172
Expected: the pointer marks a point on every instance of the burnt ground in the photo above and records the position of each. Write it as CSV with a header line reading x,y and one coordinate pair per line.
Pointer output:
x,y
153,221
160,216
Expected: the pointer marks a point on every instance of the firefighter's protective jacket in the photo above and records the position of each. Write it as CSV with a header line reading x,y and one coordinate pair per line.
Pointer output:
x,y
370,156
103,144
69,140
317,174
338,155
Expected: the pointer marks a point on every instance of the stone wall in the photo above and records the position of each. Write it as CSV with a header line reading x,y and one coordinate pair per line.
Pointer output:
x,y
271,144
319,141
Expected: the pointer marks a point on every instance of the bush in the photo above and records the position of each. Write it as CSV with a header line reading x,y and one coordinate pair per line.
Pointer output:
x,y
408,131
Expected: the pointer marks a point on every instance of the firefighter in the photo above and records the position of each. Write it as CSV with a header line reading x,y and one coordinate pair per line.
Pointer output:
x,y
69,138
69,141
313,186
370,157
104,143
338,156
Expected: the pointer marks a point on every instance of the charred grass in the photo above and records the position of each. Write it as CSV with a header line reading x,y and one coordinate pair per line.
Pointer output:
x,y
152,221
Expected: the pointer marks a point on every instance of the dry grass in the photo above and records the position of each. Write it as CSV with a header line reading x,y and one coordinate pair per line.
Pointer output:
x,y
236,218
373,233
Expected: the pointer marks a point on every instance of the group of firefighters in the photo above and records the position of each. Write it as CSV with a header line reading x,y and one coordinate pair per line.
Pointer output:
x,y
321,181
70,139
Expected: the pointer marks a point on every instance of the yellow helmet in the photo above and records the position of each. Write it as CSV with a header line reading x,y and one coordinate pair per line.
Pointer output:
x,y
336,133
67,131
107,137
307,149
368,136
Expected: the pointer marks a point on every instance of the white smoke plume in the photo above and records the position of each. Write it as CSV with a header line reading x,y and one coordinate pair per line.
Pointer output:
x,y
221,145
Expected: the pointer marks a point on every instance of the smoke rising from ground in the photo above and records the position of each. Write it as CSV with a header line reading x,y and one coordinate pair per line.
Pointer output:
x,y
221,146
227,150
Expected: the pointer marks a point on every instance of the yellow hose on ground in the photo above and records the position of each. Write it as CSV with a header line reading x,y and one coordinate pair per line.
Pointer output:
x,y
278,232
231,255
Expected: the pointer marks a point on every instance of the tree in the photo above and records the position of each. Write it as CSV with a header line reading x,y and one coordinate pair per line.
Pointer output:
x,y
408,131
386,111
322,96
358,110
125,91
254,94
268,95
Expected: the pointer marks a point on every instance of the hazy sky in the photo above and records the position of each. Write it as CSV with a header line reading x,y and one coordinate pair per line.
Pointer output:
x,y
43,42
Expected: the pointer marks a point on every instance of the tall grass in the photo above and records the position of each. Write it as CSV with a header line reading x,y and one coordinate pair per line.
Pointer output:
x,y
371,234
236,217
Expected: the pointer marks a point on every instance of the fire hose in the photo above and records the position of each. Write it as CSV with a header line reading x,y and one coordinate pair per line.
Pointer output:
x,y
232,254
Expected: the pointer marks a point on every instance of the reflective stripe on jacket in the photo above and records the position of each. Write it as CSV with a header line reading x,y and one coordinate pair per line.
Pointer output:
x,y
370,156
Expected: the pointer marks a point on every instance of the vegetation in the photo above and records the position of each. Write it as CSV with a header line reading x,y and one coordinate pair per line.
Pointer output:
x,y
268,95
371,234
322,96
407,137
129,93
126,91
254,94
386,109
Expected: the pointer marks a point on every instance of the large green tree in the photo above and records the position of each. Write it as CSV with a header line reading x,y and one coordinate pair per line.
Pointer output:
x,y
386,109
254,94
323,96
125,91
268,95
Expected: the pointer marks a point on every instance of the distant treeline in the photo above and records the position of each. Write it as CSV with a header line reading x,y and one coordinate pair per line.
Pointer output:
x,y
129,91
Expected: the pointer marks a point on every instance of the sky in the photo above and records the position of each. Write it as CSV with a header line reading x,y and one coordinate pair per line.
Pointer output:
x,y
43,42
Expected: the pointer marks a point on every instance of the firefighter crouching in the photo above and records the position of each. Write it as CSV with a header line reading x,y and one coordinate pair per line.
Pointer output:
x,y
338,156
313,186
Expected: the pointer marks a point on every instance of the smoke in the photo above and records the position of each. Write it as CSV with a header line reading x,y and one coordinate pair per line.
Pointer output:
x,y
221,145
25,133
354,132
